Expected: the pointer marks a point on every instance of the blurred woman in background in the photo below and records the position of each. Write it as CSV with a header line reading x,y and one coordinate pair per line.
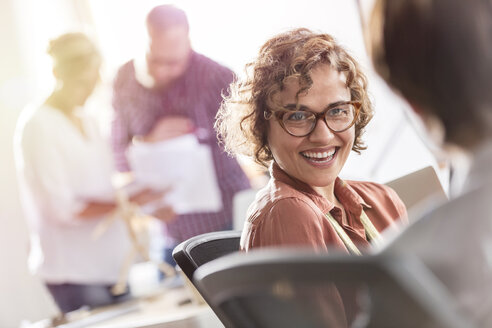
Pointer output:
x,y
65,173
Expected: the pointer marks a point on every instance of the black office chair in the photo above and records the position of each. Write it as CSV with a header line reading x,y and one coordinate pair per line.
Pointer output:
x,y
201,249
291,288
194,252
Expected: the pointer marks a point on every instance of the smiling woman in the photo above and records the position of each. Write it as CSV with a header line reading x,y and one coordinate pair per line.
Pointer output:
x,y
300,111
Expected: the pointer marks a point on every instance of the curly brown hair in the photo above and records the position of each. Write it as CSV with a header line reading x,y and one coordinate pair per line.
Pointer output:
x,y
241,126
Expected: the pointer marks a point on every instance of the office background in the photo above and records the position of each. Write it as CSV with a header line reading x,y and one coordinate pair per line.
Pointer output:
x,y
228,31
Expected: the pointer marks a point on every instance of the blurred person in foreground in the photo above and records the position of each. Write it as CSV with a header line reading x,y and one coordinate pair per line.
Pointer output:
x,y
171,92
65,169
437,54
301,109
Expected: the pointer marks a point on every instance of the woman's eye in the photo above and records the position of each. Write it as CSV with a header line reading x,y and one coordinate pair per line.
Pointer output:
x,y
339,111
297,116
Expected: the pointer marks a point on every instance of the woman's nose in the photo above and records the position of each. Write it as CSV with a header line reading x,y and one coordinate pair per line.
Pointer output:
x,y
321,132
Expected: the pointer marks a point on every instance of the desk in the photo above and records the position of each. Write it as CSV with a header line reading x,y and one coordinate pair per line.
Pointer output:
x,y
170,308
164,310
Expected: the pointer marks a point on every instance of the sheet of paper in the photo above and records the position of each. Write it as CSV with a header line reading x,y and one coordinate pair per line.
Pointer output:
x,y
184,165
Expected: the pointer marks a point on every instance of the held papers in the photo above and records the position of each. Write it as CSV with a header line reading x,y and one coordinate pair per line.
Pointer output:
x,y
182,164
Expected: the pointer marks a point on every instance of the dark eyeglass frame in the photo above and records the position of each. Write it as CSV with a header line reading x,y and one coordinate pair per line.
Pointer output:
x,y
279,114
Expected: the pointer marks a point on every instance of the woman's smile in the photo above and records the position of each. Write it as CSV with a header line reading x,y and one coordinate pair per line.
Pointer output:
x,y
320,157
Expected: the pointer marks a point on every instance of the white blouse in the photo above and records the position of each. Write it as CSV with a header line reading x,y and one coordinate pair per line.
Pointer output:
x,y
60,170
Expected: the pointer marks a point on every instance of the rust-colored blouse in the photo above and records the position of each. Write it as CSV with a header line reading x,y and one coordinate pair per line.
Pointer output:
x,y
289,212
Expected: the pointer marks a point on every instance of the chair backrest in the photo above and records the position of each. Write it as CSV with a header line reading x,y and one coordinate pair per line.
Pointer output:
x,y
194,252
293,288
201,249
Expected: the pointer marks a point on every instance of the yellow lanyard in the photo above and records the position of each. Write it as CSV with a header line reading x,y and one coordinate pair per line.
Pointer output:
x,y
371,232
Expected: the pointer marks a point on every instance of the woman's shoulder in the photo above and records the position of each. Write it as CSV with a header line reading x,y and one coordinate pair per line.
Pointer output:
x,y
279,200
277,191
286,220
35,119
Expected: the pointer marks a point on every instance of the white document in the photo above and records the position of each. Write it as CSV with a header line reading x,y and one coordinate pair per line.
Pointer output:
x,y
182,164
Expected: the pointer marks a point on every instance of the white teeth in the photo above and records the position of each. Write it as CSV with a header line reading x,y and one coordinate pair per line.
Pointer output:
x,y
319,155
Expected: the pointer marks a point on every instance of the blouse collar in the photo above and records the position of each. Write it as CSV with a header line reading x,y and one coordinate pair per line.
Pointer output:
x,y
350,199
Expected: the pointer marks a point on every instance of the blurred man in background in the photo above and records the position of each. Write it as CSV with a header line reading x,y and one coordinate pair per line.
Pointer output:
x,y
175,91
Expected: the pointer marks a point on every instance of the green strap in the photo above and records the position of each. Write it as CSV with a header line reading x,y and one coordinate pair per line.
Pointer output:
x,y
371,232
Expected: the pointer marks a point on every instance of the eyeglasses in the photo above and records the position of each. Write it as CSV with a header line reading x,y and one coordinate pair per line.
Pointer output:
x,y
338,117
